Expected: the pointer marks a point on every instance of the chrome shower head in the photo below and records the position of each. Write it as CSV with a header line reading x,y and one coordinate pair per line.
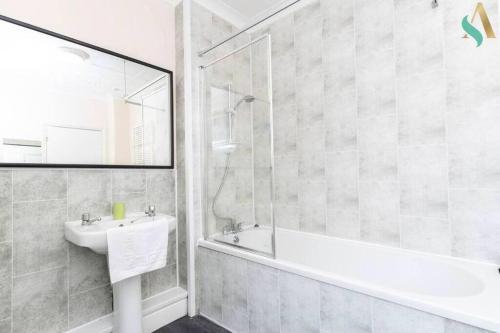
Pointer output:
x,y
246,99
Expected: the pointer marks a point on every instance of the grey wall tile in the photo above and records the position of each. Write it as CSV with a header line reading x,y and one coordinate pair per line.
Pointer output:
x,y
379,213
308,38
145,286
343,223
299,304
409,33
309,97
172,248
90,305
378,149
344,311
343,199
286,178
373,35
456,327
210,283
39,242
162,279
378,165
41,184
234,320
312,207
312,165
474,165
5,205
161,190
378,133
87,270
283,37
423,176
5,280
473,216
426,234
341,123
285,130
263,298
422,109
392,318
234,291
342,180
286,216
338,17
128,181
5,326
375,81
89,191
39,302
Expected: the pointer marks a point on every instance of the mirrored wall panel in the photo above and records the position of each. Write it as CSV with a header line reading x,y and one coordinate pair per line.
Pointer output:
x,y
65,102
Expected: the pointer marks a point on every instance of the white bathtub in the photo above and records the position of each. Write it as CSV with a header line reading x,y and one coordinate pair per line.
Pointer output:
x,y
457,289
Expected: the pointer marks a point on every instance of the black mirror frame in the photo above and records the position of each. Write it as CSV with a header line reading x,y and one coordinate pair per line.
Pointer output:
x,y
124,57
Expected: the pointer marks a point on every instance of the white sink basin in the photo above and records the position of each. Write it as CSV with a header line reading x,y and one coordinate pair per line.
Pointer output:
x,y
94,236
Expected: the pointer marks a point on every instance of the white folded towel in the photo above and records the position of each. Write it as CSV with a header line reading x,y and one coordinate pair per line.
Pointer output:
x,y
137,249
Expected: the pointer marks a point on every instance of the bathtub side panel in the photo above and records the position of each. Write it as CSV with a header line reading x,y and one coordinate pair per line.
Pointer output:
x,y
276,301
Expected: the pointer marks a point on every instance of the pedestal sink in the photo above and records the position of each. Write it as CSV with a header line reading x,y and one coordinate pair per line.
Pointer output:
x,y
127,298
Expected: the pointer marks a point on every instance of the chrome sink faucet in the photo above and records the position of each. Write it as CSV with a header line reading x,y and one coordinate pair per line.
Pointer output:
x,y
150,211
86,220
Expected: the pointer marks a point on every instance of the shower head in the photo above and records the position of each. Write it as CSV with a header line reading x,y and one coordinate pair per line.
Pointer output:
x,y
246,99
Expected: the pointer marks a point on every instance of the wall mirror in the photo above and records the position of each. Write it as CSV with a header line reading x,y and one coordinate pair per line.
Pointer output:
x,y
66,103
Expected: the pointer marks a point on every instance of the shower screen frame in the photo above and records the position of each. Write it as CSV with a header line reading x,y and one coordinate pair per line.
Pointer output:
x,y
205,145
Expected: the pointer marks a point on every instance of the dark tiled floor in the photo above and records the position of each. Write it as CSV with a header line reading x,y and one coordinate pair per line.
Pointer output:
x,y
196,324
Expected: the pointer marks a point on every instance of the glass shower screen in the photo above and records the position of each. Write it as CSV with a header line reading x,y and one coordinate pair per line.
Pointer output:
x,y
236,103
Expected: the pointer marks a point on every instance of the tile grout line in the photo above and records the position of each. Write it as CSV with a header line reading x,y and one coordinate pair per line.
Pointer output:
x,y
40,271
446,131
356,103
91,289
67,247
396,104
12,250
37,200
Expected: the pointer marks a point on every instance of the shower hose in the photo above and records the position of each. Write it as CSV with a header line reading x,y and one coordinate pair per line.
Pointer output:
x,y
219,190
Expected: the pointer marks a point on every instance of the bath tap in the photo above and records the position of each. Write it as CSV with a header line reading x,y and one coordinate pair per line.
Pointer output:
x,y
232,228
86,220
151,211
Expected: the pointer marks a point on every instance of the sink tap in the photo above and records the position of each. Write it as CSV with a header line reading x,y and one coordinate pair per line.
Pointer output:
x,y
86,220
150,211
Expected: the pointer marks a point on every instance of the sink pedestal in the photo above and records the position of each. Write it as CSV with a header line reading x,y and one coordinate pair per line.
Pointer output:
x,y
127,300
127,306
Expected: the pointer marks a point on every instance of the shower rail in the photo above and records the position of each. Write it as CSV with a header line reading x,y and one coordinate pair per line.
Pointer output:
x,y
227,55
216,45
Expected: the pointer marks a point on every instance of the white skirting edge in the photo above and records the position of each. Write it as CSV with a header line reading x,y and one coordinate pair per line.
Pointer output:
x,y
157,311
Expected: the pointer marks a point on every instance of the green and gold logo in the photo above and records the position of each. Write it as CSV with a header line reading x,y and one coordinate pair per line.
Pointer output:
x,y
472,31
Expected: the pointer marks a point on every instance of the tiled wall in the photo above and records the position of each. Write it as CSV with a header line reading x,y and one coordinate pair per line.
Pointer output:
x,y
248,297
386,125
47,284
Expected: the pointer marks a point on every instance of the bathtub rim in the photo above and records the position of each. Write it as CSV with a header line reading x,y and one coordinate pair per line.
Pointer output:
x,y
382,293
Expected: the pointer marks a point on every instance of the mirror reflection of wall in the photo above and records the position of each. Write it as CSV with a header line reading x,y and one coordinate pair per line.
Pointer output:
x,y
63,103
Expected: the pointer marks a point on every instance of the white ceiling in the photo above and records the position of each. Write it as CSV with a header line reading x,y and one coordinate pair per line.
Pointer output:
x,y
251,8
243,12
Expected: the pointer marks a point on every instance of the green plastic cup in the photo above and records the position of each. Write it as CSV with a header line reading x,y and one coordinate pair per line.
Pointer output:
x,y
118,211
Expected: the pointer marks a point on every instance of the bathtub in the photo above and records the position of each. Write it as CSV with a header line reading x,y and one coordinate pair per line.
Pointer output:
x,y
461,290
